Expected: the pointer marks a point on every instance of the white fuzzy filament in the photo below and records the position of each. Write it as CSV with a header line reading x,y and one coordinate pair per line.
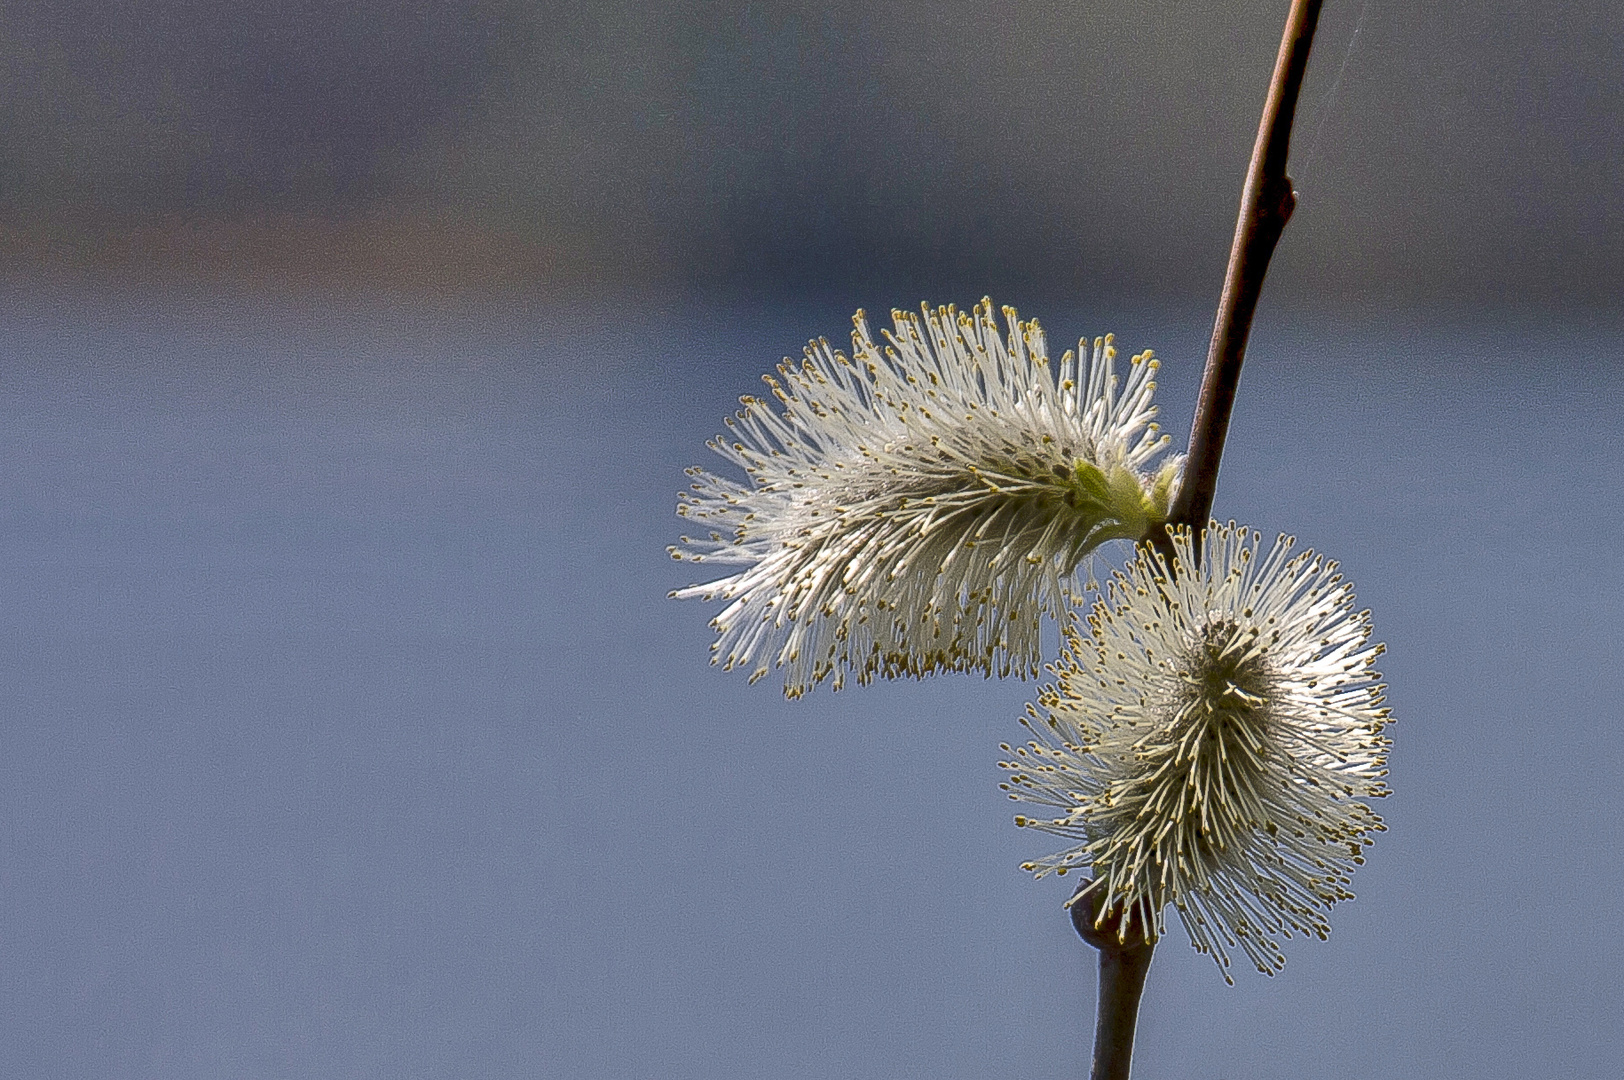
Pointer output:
x,y
925,504
1208,741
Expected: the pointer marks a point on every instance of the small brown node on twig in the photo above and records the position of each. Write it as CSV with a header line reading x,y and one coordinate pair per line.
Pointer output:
x,y
1108,932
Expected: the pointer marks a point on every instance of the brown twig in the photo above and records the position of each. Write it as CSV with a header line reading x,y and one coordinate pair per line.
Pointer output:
x,y
1124,963
1267,201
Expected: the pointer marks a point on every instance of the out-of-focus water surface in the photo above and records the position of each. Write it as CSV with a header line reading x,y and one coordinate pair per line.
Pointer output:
x,y
347,730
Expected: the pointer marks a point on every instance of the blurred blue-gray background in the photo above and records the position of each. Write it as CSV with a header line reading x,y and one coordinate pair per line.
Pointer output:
x,y
350,355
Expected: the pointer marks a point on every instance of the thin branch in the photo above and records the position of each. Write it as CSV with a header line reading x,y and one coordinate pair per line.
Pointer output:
x,y
1123,967
1267,201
